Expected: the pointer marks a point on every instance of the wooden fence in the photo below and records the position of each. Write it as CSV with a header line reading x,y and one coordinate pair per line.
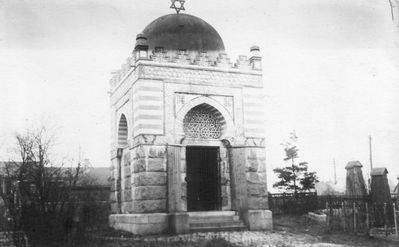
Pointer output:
x,y
352,214
362,217
290,203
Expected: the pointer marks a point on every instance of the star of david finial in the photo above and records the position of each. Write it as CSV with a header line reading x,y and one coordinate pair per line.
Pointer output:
x,y
178,5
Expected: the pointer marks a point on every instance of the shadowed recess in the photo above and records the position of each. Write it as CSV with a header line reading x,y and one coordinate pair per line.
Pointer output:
x,y
122,132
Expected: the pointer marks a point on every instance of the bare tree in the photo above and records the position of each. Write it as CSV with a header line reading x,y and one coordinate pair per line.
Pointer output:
x,y
38,193
10,195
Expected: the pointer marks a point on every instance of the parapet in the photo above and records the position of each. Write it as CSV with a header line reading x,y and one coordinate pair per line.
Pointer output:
x,y
181,57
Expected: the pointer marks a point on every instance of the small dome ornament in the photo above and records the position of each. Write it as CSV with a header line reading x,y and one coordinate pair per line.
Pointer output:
x,y
178,5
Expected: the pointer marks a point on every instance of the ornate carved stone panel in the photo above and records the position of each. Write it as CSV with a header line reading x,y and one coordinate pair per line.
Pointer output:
x,y
200,123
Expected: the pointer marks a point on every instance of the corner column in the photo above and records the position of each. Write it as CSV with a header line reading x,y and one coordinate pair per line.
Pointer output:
x,y
115,195
248,186
178,215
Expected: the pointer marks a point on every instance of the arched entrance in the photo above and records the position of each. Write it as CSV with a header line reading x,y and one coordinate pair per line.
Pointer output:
x,y
203,178
203,126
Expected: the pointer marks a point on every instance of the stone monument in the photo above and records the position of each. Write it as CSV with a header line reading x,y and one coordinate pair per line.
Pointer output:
x,y
187,124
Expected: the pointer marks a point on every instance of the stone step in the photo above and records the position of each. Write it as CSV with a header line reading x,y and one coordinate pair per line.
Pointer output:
x,y
218,224
215,228
214,219
212,213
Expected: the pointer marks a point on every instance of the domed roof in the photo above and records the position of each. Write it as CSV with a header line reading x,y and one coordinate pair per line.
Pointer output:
x,y
183,32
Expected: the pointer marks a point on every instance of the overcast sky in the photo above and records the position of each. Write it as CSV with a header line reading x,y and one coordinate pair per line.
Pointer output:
x,y
330,71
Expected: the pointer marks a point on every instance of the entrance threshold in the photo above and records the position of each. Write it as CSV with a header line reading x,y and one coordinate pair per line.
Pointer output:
x,y
215,221
212,213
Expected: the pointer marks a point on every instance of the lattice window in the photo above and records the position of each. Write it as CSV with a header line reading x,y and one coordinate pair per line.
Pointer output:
x,y
200,123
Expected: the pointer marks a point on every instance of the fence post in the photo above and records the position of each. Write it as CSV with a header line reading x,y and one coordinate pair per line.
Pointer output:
x,y
395,220
284,198
367,217
385,219
344,214
328,216
354,217
373,214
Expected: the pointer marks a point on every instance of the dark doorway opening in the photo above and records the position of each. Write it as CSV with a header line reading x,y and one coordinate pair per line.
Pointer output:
x,y
203,186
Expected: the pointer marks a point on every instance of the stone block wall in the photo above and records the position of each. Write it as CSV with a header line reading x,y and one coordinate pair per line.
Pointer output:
x,y
248,178
141,224
126,182
254,112
239,192
225,179
177,186
255,168
121,182
148,108
149,179
114,184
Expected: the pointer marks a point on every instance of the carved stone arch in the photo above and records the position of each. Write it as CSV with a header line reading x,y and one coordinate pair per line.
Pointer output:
x,y
211,105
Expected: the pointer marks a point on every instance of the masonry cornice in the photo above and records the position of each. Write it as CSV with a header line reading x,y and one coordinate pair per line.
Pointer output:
x,y
199,67
147,62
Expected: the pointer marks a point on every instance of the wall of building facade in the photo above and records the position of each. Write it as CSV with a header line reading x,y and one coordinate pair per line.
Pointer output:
x,y
149,183
154,94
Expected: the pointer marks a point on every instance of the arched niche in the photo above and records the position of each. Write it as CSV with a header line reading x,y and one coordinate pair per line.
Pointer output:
x,y
204,122
122,132
211,120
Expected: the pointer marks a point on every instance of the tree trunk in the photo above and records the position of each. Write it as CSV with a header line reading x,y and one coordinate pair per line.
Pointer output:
x,y
293,172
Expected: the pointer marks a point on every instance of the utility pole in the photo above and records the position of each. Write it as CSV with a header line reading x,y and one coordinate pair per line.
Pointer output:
x,y
371,154
335,172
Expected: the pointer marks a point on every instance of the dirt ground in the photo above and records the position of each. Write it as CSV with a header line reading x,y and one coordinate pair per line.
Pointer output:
x,y
289,231
302,225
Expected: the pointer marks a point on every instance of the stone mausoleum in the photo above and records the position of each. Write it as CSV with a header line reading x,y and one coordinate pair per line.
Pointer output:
x,y
187,123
